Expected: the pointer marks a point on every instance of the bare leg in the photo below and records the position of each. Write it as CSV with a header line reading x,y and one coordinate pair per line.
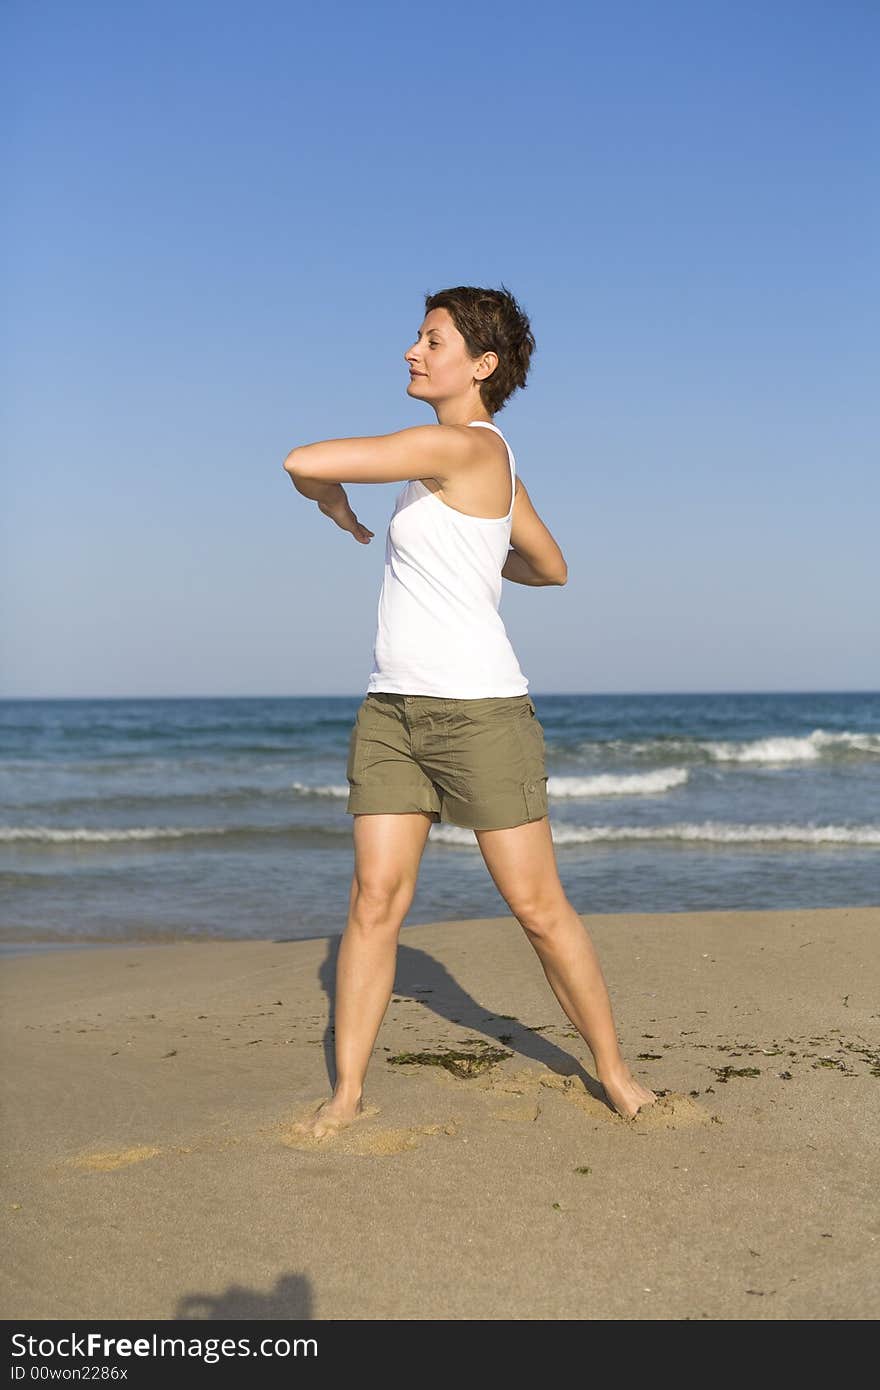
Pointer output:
x,y
522,862
388,850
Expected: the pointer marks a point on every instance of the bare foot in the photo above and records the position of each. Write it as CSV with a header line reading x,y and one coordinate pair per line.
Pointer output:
x,y
331,1115
625,1093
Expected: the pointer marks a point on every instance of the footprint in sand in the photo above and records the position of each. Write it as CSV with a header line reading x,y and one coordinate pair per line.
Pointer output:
x,y
109,1160
112,1159
524,1111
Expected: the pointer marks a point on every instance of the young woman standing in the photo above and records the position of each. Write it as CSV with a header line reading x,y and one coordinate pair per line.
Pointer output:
x,y
447,730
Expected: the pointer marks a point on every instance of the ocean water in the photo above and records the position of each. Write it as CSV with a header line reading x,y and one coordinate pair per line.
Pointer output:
x,y
153,820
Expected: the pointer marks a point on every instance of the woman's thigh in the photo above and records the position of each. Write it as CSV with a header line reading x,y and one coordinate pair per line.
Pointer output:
x,y
388,850
522,863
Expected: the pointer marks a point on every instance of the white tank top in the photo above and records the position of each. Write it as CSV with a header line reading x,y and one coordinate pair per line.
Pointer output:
x,y
439,631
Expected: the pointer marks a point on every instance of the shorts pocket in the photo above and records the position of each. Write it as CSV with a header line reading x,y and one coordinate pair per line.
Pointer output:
x,y
535,794
531,740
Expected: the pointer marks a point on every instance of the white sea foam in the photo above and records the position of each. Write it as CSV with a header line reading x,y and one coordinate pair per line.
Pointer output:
x,y
48,834
618,784
709,832
774,748
321,788
794,749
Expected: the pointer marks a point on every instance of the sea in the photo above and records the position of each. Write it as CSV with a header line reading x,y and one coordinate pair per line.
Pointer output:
x,y
156,820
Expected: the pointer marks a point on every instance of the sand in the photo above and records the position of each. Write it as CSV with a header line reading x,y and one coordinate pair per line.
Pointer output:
x,y
151,1169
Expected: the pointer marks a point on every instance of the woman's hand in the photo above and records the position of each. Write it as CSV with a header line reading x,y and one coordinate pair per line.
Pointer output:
x,y
339,510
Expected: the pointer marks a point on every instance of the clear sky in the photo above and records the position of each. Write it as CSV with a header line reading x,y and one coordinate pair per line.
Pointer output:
x,y
222,221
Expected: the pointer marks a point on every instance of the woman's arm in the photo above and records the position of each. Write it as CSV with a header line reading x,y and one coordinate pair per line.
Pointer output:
x,y
332,500
421,451
535,558
318,492
519,571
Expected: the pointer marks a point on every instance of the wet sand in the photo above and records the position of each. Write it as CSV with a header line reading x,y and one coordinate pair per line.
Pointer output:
x,y
152,1169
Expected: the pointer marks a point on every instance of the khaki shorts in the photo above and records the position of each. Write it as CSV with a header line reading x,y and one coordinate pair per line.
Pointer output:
x,y
475,763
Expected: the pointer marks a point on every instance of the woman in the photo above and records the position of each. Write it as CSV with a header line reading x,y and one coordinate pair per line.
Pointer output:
x,y
447,729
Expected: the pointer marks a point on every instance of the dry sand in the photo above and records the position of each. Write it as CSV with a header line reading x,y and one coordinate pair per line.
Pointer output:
x,y
151,1169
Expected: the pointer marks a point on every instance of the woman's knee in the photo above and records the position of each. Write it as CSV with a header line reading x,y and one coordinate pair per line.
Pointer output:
x,y
379,900
541,914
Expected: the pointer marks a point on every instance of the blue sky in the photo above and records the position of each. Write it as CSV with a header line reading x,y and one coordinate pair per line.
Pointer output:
x,y
222,224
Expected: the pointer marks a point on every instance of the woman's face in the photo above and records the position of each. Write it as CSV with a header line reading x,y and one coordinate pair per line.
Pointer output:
x,y
440,368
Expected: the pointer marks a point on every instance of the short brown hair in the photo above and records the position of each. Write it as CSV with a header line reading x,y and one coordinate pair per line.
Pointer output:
x,y
491,321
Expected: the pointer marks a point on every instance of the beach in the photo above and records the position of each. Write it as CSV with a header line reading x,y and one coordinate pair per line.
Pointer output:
x,y
151,1169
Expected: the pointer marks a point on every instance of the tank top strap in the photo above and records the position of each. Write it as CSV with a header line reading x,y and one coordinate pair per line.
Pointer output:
x,y
488,425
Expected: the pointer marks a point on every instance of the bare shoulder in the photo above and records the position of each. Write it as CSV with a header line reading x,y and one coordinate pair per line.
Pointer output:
x,y
473,445
476,478
443,453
